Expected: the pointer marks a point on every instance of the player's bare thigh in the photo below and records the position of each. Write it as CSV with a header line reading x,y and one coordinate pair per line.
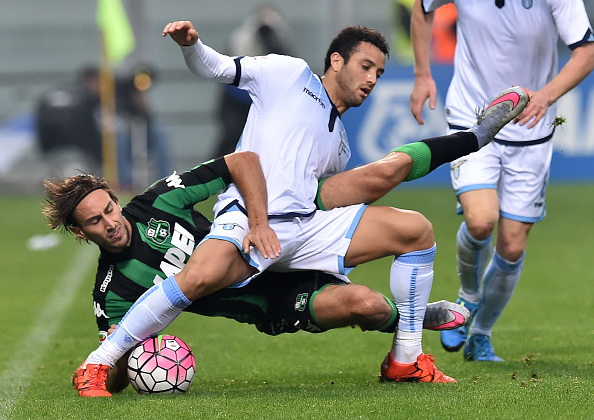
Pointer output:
x,y
384,231
481,211
214,265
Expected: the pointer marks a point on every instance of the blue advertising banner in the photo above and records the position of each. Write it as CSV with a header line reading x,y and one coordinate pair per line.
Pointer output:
x,y
384,122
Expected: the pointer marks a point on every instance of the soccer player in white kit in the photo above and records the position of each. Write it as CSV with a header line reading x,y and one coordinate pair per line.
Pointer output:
x,y
295,125
500,43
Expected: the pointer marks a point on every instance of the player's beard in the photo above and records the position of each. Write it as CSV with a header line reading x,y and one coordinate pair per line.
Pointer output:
x,y
349,89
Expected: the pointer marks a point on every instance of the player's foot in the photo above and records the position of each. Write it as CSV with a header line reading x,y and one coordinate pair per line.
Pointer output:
x,y
91,381
503,109
479,348
423,370
453,339
445,315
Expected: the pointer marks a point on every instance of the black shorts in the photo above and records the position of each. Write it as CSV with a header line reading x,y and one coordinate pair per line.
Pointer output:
x,y
274,303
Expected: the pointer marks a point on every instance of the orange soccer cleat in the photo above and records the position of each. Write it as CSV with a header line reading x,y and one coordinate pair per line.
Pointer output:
x,y
91,381
423,370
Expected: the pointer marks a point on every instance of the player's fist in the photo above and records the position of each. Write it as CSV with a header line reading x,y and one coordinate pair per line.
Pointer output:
x,y
182,32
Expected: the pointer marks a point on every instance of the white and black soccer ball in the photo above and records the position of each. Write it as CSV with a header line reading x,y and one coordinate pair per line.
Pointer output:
x,y
161,365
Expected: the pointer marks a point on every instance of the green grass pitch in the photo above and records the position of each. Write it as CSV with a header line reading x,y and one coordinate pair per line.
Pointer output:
x,y
546,336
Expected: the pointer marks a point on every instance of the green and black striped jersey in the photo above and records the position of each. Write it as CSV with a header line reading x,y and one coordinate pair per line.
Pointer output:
x,y
165,231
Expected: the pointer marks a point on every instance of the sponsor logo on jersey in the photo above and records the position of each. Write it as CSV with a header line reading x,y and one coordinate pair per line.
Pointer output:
x,y
301,302
107,279
230,226
174,260
102,336
315,97
527,4
174,181
99,313
456,168
158,230
342,146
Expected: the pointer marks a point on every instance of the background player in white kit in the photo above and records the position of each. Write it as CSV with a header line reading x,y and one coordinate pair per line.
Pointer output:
x,y
500,43
310,145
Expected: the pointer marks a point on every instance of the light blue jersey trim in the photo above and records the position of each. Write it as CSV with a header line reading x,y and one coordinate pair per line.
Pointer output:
x,y
524,219
475,187
341,268
239,246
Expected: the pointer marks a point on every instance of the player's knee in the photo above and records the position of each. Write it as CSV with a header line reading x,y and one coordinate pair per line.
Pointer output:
x,y
419,235
197,280
511,252
481,226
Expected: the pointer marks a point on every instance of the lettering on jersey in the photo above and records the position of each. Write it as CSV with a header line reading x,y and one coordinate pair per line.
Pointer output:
x,y
107,279
99,313
158,230
316,98
174,181
182,239
301,302
182,242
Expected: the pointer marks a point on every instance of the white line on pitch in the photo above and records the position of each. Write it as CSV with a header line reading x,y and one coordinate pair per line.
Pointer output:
x,y
15,378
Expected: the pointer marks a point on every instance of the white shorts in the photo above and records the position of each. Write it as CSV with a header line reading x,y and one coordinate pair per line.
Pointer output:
x,y
317,242
520,175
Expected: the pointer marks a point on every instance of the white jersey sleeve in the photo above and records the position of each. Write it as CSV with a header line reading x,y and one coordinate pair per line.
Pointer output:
x,y
209,64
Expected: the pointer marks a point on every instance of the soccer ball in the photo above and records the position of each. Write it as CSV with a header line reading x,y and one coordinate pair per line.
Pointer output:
x,y
161,365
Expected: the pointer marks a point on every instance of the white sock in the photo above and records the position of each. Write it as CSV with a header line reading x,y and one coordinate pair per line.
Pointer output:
x,y
411,278
406,346
499,284
151,313
472,258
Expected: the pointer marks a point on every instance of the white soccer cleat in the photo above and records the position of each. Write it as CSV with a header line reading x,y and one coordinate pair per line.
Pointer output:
x,y
445,315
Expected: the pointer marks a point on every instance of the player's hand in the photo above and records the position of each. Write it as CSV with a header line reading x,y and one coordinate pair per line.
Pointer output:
x,y
424,88
182,32
536,108
111,329
264,239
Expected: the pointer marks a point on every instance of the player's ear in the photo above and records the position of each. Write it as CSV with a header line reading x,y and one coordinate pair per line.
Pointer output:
x,y
78,232
336,61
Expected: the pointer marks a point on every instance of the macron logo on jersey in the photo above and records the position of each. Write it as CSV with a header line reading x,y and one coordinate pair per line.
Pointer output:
x,y
316,98
174,181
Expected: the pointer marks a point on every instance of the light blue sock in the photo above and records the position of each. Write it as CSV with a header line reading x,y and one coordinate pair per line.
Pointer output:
x,y
499,284
472,258
149,315
411,278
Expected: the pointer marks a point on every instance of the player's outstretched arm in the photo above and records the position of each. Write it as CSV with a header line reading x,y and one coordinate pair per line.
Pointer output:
x,y
247,175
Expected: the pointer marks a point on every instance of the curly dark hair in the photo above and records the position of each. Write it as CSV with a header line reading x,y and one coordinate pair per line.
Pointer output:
x,y
350,37
62,196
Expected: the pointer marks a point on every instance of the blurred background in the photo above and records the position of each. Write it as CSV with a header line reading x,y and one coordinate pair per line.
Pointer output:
x,y
166,118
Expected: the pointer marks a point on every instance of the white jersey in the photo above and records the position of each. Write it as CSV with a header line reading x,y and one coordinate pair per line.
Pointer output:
x,y
488,60
292,125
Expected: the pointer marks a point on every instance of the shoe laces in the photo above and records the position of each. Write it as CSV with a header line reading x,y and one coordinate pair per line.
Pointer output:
x,y
95,377
428,363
